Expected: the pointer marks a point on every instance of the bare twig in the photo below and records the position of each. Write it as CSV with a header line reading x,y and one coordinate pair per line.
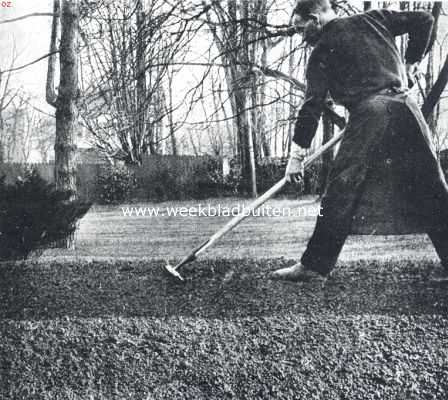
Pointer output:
x,y
31,63
6,21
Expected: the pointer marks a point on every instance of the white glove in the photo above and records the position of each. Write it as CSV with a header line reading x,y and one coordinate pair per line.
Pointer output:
x,y
295,169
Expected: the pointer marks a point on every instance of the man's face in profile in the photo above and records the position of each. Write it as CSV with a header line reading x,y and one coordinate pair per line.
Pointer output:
x,y
310,27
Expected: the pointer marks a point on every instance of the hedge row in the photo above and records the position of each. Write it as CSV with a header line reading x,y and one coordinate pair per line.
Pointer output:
x,y
171,181
162,178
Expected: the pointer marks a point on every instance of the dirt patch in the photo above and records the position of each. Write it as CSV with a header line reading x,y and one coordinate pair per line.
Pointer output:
x,y
122,330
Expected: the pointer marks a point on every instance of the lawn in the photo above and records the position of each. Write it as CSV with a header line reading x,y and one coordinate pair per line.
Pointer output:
x,y
82,325
105,232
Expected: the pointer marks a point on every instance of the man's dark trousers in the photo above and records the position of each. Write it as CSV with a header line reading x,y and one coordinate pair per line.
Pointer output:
x,y
385,180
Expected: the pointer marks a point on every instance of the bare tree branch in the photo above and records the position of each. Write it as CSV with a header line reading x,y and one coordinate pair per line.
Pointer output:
x,y
31,63
50,91
434,95
6,21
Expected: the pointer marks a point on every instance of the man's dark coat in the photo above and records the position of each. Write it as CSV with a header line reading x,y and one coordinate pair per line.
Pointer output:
x,y
386,177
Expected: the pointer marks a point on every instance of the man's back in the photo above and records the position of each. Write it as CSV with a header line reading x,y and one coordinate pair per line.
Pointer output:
x,y
357,56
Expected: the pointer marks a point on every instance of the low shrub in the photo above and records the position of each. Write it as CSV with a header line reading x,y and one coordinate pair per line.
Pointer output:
x,y
115,184
311,184
207,179
160,185
34,214
163,178
271,170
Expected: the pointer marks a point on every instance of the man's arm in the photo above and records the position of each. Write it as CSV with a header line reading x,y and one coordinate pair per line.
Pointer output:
x,y
311,110
417,24
308,119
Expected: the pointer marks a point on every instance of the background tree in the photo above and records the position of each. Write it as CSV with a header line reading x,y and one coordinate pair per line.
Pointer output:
x,y
129,49
7,96
232,40
66,99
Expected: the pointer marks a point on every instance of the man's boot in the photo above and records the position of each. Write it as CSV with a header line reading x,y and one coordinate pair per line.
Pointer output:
x,y
296,273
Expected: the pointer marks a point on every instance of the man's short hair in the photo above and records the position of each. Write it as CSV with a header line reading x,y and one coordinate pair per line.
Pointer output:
x,y
304,8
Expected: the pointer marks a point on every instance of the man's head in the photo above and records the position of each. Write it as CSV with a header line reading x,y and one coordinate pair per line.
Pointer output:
x,y
310,16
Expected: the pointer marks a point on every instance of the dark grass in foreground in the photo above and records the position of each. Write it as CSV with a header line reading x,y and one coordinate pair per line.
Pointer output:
x,y
123,331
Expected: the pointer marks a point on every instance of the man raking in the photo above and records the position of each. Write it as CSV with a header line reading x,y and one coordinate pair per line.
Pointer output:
x,y
386,178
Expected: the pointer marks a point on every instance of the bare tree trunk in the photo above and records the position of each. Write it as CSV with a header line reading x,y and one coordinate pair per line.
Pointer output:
x,y
141,81
434,95
258,49
433,117
157,126
170,114
292,108
239,51
249,56
50,94
193,145
243,131
233,46
226,136
66,111
228,126
264,62
436,9
253,165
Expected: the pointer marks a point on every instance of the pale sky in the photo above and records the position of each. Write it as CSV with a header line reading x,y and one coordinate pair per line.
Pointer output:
x,y
32,40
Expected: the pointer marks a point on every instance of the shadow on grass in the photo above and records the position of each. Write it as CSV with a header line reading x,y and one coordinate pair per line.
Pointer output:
x,y
214,289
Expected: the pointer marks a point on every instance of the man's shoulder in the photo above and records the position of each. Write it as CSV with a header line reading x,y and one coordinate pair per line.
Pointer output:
x,y
347,19
353,24
380,14
342,22
340,32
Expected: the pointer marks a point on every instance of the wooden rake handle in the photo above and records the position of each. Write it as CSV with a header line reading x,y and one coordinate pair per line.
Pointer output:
x,y
263,198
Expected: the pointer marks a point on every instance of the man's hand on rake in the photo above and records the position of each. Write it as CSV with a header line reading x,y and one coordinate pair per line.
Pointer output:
x,y
295,169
